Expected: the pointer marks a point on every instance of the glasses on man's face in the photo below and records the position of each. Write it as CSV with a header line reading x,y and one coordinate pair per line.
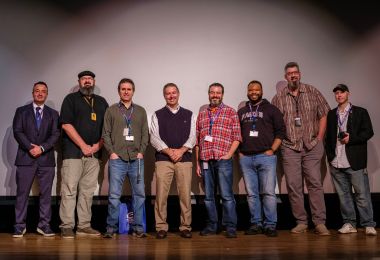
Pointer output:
x,y
291,73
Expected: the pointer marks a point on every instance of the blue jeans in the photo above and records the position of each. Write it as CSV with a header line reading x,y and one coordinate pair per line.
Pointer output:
x,y
219,173
344,180
259,173
118,170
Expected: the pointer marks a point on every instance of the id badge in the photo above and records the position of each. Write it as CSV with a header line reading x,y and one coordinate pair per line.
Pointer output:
x,y
254,133
208,138
126,131
297,121
93,116
205,165
129,138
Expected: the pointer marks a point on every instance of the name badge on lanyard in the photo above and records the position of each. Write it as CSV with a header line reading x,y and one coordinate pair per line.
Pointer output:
x,y
129,138
254,116
127,132
208,138
93,116
254,133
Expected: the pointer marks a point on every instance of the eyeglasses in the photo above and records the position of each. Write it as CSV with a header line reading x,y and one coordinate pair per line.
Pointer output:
x,y
290,73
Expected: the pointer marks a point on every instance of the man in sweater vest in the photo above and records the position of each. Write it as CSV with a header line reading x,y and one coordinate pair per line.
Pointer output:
x,y
173,136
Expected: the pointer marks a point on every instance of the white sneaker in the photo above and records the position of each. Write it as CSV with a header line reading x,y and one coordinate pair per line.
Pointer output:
x,y
347,229
370,231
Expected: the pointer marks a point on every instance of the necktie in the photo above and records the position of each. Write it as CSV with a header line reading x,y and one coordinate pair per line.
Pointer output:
x,y
38,117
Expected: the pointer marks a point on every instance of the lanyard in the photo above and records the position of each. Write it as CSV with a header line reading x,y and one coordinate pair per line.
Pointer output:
x,y
296,99
254,116
123,110
213,118
88,102
341,122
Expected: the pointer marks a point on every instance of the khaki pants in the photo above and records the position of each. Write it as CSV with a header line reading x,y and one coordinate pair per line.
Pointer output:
x,y
79,179
305,165
164,175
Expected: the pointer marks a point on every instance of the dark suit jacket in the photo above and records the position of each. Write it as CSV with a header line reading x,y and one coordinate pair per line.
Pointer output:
x,y
25,132
359,127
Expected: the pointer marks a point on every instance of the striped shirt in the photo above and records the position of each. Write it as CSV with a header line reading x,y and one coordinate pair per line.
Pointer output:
x,y
312,106
224,131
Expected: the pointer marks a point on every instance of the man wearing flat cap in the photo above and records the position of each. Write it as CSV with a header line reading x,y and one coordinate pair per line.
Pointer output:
x,y
81,117
348,130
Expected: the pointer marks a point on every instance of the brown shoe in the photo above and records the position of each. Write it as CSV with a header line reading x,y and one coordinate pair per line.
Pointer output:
x,y
185,233
161,234
88,231
322,230
300,228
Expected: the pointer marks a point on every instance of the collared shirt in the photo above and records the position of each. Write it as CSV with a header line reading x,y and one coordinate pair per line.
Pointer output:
x,y
224,131
156,140
76,111
113,131
41,111
312,106
340,160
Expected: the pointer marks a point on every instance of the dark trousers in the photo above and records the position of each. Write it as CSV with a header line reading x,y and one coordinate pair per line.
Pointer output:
x,y
24,180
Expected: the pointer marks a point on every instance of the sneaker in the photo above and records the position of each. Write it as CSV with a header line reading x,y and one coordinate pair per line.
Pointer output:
x,y
300,228
270,232
207,232
347,229
88,231
67,233
139,234
231,233
322,230
254,229
19,232
370,231
45,231
109,233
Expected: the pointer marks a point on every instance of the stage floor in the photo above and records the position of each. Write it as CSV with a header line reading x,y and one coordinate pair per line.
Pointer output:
x,y
285,246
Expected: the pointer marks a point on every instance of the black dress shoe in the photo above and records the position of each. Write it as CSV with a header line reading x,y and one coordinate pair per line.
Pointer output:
x,y
186,233
207,232
271,232
161,234
231,234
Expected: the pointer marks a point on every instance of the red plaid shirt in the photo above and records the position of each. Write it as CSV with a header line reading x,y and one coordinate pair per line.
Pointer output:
x,y
225,130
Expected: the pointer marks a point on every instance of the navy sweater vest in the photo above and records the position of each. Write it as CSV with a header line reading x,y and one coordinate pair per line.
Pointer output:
x,y
174,130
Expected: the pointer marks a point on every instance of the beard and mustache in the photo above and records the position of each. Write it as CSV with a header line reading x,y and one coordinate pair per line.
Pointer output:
x,y
87,90
293,84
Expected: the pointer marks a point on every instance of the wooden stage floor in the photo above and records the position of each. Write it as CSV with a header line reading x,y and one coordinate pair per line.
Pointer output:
x,y
285,246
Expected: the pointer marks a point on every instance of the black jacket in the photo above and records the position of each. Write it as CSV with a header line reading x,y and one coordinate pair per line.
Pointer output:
x,y
359,127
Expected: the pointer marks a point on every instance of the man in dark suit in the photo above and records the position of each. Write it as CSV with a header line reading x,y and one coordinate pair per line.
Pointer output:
x,y
36,130
348,130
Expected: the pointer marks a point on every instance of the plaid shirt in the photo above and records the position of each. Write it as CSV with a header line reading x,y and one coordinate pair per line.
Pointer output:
x,y
312,106
225,130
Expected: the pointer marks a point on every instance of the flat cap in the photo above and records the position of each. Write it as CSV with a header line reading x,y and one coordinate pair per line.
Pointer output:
x,y
86,73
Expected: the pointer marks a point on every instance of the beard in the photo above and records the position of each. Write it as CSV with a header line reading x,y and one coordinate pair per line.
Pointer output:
x,y
255,101
215,102
87,91
294,84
